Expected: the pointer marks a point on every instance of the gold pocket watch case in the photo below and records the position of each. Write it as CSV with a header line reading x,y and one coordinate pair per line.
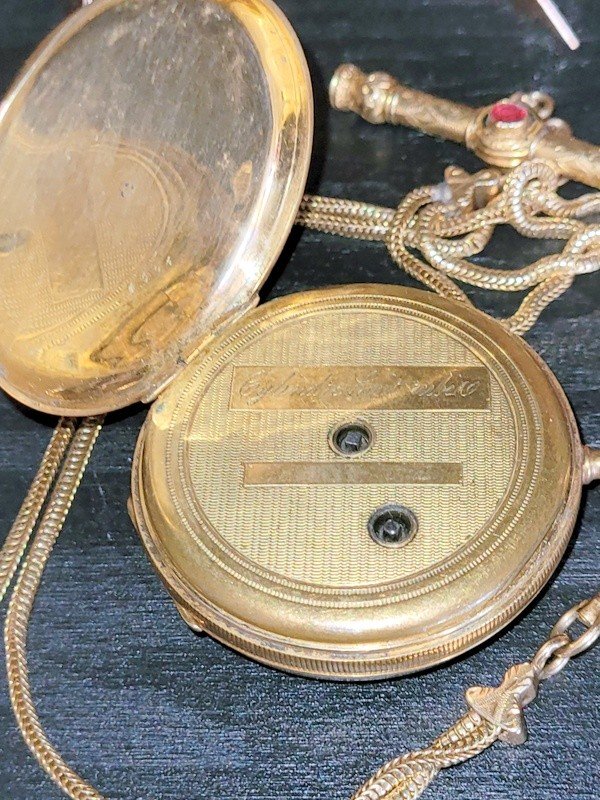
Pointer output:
x,y
350,483
358,482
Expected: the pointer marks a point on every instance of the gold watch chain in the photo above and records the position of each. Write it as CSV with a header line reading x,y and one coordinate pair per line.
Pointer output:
x,y
495,712
436,230
433,235
489,718
22,528
82,440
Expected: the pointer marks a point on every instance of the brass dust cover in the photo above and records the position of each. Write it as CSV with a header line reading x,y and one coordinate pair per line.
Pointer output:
x,y
358,482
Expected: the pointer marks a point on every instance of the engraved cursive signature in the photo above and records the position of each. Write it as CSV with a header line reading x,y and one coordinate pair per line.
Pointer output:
x,y
361,387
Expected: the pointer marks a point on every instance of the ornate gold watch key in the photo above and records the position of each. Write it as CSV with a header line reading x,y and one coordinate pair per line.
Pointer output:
x,y
503,134
405,471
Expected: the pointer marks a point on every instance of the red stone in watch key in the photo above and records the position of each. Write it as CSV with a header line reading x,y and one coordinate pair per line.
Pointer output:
x,y
508,112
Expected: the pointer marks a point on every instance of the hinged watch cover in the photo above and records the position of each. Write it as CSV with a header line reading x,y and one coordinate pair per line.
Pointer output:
x,y
153,155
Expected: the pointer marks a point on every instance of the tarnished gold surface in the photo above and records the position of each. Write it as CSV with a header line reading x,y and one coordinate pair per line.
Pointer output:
x,y
436,230
259,528
502,706
386,388
380,98
140,212
313,473
153,155
494,712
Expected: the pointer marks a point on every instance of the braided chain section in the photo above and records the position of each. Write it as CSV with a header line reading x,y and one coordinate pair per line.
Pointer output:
x,y
398,243
436,229
20,533
349,218
429,222
21,604
407,777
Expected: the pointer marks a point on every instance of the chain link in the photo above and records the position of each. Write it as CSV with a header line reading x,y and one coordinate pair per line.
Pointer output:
x,y
407,777
436,229
561,646
21,605
22,528
430,221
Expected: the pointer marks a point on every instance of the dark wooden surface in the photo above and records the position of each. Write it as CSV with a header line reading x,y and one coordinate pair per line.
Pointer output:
x,y
134,700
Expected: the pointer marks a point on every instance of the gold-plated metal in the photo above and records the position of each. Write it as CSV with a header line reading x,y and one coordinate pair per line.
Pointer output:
x,y
503,134
495,712
21,604
259,528
310,473
436,229
386,388
407,777
21,530
132,245
502,706
591,464
126,235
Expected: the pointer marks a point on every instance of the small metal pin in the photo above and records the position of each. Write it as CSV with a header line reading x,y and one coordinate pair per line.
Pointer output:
x,y
559,23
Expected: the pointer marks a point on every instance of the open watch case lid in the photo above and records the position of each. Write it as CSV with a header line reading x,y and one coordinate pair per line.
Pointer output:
x,y
153,155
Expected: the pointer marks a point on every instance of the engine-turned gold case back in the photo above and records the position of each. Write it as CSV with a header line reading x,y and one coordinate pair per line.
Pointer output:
x,y
358,482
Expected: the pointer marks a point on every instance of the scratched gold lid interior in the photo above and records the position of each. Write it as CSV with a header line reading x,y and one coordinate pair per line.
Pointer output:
x,y
153,155
275,533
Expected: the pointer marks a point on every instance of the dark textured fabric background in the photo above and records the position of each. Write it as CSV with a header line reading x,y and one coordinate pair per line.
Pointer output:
x,y
146,709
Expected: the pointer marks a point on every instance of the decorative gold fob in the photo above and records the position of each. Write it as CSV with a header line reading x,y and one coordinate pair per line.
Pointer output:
x,y
503,134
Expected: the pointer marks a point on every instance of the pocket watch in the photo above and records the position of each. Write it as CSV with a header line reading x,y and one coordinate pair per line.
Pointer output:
x,y
357,482
351,483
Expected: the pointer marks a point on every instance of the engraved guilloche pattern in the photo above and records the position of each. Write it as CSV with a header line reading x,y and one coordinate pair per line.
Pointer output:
x,y
260,527
400,374
146,158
